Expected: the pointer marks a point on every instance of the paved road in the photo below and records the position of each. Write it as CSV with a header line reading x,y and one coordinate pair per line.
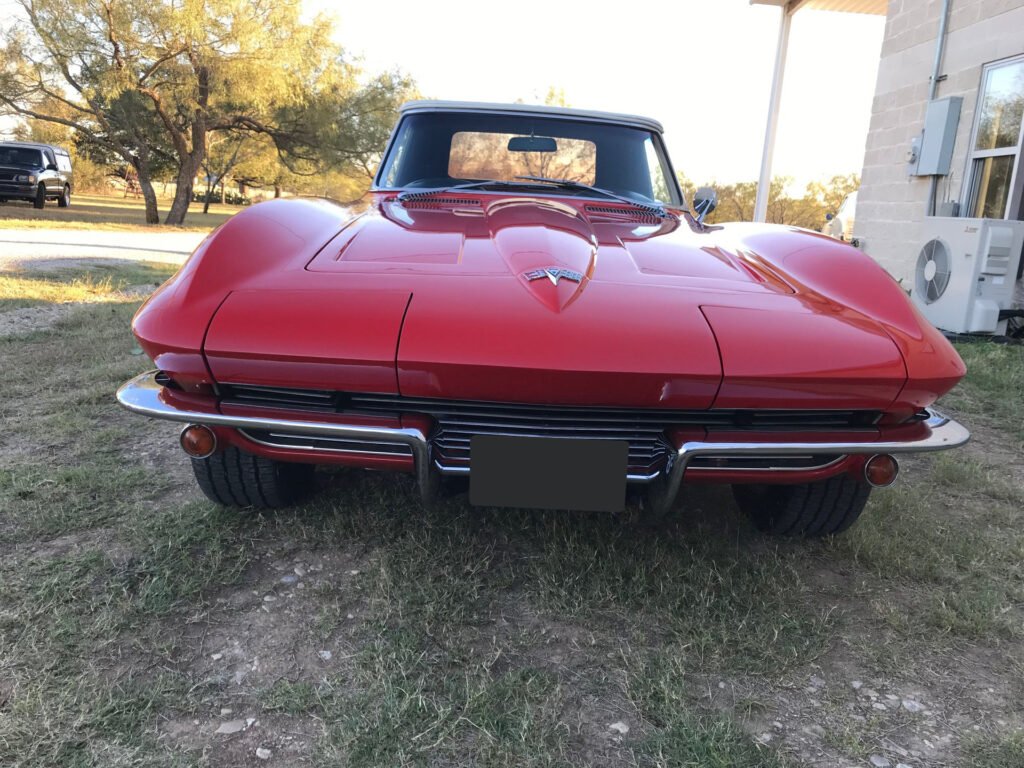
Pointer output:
x,y
51,247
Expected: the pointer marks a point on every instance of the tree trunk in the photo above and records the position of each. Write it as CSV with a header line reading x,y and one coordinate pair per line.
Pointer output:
x,y
148,193
209,194
222,193
190,159
183,192
277,190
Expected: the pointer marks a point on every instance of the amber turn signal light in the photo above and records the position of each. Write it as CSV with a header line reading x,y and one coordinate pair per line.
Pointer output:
x,y
198,441
881,470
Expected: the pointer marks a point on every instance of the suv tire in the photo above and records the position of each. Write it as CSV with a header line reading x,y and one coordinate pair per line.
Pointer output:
x,y
40,200
234,478
810,510
64,201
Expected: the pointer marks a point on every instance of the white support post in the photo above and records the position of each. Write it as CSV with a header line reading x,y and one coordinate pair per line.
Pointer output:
x,y
764,182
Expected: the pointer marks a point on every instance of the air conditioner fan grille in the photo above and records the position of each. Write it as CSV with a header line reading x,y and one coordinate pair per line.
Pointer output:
x,y
933,271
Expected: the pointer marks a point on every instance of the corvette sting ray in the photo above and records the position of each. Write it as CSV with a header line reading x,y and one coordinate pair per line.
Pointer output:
x,y
529,302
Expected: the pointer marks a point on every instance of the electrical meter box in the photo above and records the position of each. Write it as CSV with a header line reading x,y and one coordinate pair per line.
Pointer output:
x,y
940,122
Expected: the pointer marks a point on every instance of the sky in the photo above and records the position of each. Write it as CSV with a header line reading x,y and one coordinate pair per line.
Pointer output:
x,y
703,69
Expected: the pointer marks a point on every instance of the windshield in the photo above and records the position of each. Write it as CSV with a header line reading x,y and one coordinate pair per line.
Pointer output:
x,y
19,156
443,149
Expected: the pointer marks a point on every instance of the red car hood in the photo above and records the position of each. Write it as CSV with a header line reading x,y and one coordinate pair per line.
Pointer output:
x,y
536,300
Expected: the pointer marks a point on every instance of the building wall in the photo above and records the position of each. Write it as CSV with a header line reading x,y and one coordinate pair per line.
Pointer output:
x,y
891,205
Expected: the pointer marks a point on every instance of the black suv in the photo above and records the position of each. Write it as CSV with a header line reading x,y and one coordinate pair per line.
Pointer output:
x,y
35,172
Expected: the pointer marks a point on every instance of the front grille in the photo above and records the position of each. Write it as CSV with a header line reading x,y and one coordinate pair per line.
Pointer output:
x,y
643,428
459,421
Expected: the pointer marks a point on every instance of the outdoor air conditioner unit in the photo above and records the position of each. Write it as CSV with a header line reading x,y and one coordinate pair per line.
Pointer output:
x,y
966,272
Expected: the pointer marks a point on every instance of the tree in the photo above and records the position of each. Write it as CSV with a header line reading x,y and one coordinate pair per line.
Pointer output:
x,y
224,152
831,193
43,80
736,201
143,77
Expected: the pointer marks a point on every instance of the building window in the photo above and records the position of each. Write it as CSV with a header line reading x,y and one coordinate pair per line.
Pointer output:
x,y
996,149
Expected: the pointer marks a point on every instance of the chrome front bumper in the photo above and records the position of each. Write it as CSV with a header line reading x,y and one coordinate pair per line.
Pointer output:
x,y
143,395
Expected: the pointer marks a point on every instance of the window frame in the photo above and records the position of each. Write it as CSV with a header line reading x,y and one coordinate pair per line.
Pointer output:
x,y
1013,208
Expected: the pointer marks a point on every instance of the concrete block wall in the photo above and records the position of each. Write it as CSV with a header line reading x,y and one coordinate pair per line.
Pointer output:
x,y
891,205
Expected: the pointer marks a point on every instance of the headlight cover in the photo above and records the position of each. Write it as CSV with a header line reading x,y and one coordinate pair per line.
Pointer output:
x,y
26,177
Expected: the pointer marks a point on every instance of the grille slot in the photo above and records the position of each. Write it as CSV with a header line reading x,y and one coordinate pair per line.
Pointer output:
x,y
280,397
325,443
762,463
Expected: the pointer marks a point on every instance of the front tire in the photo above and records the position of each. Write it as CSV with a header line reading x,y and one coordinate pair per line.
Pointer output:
x,y
234,478
64,201
40,201
810,510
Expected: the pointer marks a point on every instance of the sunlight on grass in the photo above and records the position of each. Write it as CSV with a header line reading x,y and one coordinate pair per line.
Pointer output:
x,y
109,212
88,285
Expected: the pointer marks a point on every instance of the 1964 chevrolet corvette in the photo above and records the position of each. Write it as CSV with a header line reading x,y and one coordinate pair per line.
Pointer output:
x,y
530,302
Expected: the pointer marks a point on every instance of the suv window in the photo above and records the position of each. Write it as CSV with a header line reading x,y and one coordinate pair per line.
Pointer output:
x,y
20,156
64,162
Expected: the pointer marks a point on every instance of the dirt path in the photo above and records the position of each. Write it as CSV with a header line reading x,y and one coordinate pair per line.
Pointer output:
x,y
42,248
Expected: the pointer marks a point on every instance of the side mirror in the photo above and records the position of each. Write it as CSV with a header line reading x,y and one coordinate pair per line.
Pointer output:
x,y
51,167
705,200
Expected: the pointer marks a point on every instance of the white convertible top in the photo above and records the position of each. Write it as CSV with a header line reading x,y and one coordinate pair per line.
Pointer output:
x,y
564,113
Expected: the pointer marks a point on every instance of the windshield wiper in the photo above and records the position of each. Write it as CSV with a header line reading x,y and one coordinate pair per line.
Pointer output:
x,y
651,208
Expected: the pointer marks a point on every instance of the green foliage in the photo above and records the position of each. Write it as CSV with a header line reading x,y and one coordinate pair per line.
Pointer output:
x,y
153,82
736,201
90,176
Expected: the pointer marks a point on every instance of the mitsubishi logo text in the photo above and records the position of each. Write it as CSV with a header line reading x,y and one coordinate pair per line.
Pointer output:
x,y
554,274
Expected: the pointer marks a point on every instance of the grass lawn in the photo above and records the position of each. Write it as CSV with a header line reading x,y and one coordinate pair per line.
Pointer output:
x,y
107,212
142,626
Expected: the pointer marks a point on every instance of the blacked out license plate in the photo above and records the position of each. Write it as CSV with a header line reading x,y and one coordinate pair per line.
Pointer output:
x,y
548,473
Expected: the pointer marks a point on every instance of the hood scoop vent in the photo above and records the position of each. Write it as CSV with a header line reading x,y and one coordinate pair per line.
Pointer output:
x,y
436,202
629,214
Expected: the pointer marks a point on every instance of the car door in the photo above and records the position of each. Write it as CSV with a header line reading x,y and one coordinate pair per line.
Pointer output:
x,y
51,178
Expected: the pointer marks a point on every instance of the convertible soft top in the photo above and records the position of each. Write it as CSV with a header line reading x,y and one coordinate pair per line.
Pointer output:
x,y
425,105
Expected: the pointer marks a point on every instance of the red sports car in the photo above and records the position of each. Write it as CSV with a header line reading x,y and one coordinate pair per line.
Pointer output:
x,y
530,303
